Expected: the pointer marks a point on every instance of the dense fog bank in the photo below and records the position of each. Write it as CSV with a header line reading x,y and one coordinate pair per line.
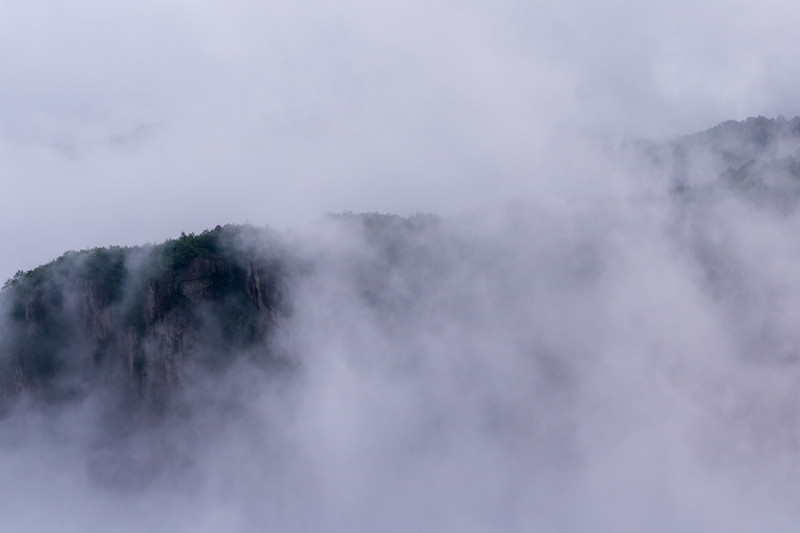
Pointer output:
x,y
615,364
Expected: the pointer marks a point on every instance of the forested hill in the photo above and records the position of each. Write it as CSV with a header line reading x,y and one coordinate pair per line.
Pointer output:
x,y
758,156
131,317
137,319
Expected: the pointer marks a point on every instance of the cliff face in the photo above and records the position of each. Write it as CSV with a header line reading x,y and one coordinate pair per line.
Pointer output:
x,y
137,317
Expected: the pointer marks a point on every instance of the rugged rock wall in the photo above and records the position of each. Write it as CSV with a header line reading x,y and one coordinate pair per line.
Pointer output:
x,y
140,315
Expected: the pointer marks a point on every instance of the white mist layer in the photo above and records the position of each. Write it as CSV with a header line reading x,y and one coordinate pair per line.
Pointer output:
x,y
536,369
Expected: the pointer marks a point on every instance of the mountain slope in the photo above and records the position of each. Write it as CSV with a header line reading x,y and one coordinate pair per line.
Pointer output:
x,y
130,317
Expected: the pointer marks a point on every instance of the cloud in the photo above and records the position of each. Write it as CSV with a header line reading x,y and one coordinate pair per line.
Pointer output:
x,y
564,361
582,368
277,112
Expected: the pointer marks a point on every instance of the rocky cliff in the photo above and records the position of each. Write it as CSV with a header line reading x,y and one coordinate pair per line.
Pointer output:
x,y
134,318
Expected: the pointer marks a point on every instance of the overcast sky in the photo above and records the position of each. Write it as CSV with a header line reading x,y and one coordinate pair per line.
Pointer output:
x,y
129,122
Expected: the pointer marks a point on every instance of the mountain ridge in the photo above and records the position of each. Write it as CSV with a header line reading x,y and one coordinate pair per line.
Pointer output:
x,y
144,306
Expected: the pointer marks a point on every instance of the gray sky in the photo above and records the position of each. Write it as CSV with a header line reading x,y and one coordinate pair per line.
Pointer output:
x,y
130,122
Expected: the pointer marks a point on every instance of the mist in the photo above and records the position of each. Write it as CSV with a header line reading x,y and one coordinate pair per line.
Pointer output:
x,y
596,366
598,334
130,124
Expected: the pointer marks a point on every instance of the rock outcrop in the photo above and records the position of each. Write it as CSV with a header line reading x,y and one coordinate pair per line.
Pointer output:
x,y
138,317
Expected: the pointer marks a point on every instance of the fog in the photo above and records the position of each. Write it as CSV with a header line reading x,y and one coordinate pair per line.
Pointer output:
x,y
129,123
574,347
595,366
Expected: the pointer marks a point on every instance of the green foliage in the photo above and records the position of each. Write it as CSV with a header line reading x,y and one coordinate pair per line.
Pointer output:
x,y
178,253
106,266
15,280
